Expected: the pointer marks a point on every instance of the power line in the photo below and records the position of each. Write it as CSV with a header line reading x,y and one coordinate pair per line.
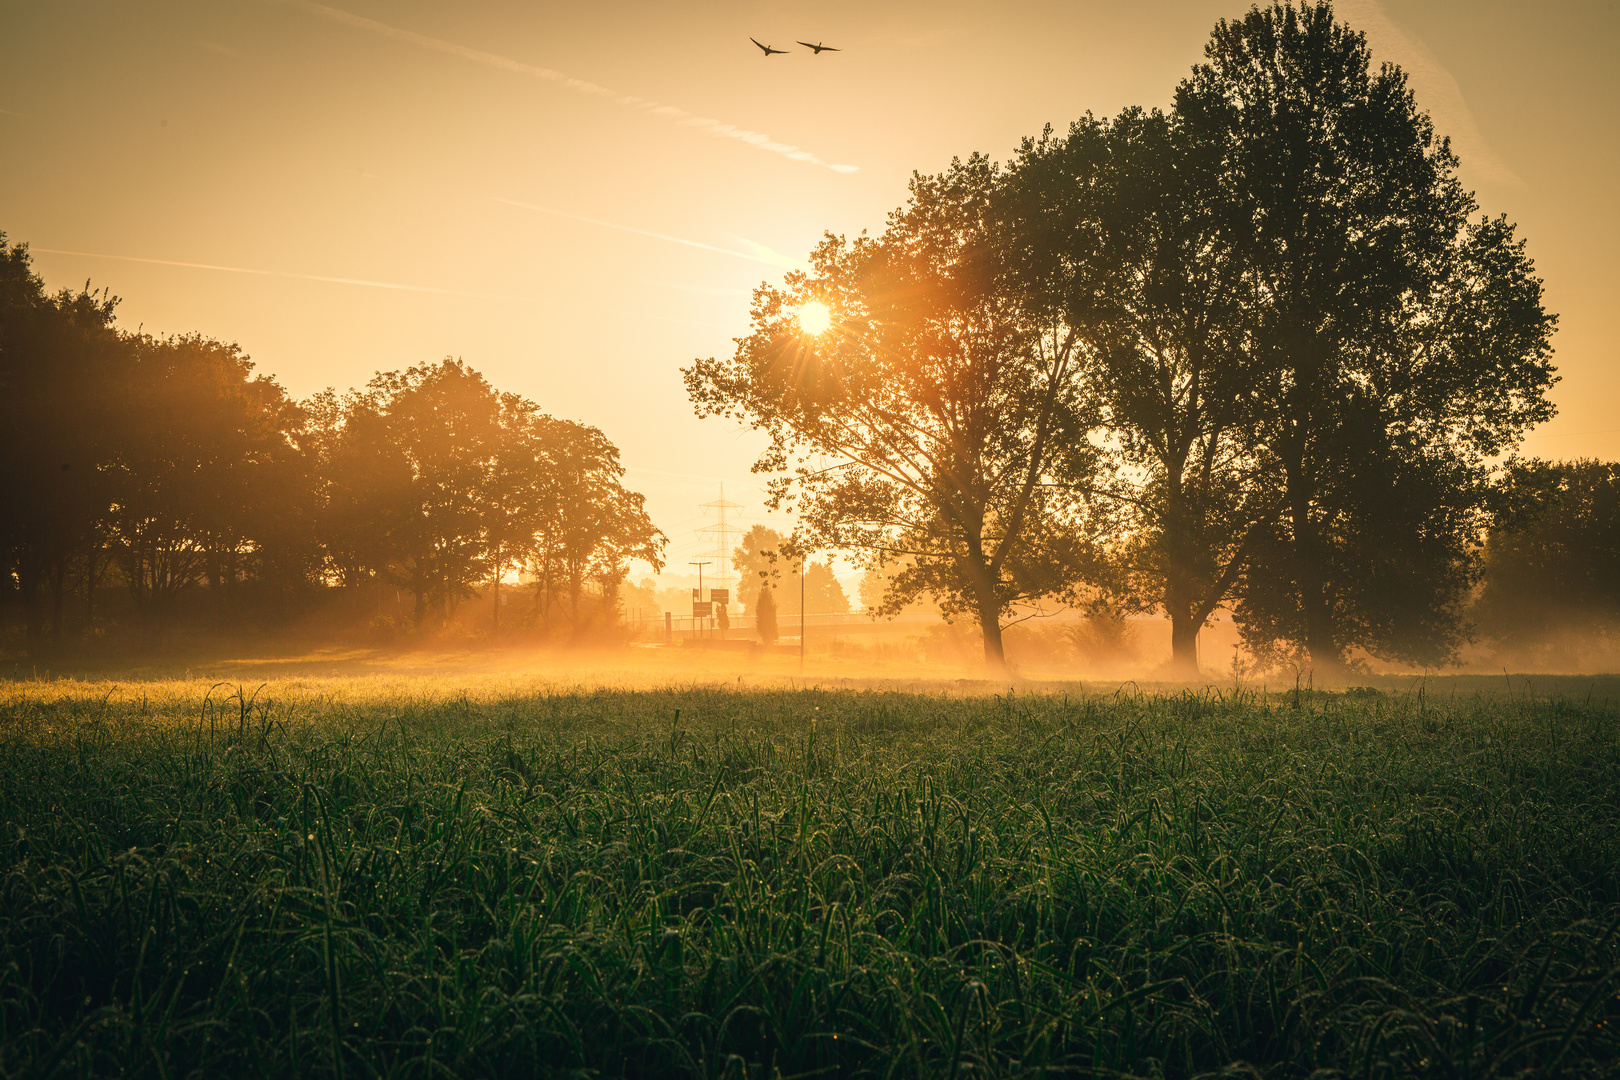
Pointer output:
x,y
721,535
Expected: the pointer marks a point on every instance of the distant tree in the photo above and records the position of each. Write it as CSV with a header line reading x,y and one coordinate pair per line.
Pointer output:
x,y
1116,227
1552,556
765,613
172,461
938,418
365,486
594,527
823,595
436,482
757,559
439,432
207,477
61,365
1396,346
522,492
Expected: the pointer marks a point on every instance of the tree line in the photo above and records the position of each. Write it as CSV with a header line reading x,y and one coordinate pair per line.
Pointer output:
x,y
148,480
1258,351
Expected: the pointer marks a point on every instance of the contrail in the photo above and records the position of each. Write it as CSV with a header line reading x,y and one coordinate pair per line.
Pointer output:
x,y
673,113
289,274
1441,94
762,254
360,281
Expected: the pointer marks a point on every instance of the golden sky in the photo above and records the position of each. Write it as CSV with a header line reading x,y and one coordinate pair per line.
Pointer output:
x,y
577,198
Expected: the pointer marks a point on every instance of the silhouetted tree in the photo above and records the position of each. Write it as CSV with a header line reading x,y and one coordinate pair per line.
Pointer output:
x,y
522,492
443,422
1116,228
592,526
1552,556
765,613
759,558
1396,345
932,419
364,485
206,470
60,365
168,463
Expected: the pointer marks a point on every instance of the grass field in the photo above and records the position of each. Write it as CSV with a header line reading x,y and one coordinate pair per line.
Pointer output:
x,y
415,878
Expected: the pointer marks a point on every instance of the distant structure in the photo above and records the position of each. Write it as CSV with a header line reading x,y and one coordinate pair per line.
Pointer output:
x,y
723,534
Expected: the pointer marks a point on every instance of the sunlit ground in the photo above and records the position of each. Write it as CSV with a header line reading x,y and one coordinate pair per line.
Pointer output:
x,y
371,675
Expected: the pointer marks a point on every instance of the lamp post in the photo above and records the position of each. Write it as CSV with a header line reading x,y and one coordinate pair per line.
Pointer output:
x,y
801,614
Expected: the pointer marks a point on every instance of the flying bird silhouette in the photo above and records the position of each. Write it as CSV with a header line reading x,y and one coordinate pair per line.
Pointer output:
x,y
817,49
769,51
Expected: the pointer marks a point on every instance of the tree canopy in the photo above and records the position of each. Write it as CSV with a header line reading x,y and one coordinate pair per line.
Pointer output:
x,y
1258,351
168,467
937,420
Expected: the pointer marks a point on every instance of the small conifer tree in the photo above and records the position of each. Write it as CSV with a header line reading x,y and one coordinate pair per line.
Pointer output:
x,y
765,614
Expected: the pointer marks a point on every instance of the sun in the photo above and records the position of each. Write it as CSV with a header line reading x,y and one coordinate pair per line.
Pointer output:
x,y
814,317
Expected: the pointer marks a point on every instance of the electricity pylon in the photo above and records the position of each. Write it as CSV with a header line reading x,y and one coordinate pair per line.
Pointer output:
x,y
722,533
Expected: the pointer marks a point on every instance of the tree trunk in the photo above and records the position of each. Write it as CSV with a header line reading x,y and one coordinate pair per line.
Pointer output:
x,y
1181,601
1184,629
28,587
1320,636
90,588
995,657
495,619
576,585
420,589
58,578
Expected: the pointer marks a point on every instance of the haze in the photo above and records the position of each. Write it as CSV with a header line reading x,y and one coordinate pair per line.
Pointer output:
x,y
576,199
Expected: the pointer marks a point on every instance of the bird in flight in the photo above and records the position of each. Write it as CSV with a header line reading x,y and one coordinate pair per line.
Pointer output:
x,y
770,51
817,49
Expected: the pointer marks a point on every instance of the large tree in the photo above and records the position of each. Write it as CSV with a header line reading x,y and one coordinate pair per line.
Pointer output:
x,y
1396,345
1116,228
206,471
587,526
61,364
1552,556
938,418
442,427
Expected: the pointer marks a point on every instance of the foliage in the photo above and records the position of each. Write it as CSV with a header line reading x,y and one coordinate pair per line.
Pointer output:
x,y
1552,556
58,412
1118,228
168,467
867,884
759,559
764,608
205,499
765,555
930,420
1397,345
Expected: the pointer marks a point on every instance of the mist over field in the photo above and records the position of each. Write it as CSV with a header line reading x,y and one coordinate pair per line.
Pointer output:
x,y
750,541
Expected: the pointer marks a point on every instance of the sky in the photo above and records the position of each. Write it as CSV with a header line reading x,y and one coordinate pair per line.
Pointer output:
x,y
577,199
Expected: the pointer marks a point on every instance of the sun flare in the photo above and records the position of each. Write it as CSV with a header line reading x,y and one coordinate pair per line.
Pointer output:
x,y
814,317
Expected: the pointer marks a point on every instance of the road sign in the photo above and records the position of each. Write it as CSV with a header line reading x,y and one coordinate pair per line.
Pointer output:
x,y
720,596
702,609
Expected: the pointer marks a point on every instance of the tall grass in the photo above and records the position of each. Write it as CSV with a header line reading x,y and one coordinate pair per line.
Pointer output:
x,y
701,882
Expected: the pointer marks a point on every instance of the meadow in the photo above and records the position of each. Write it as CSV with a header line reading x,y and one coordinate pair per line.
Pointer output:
x,y
415,877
